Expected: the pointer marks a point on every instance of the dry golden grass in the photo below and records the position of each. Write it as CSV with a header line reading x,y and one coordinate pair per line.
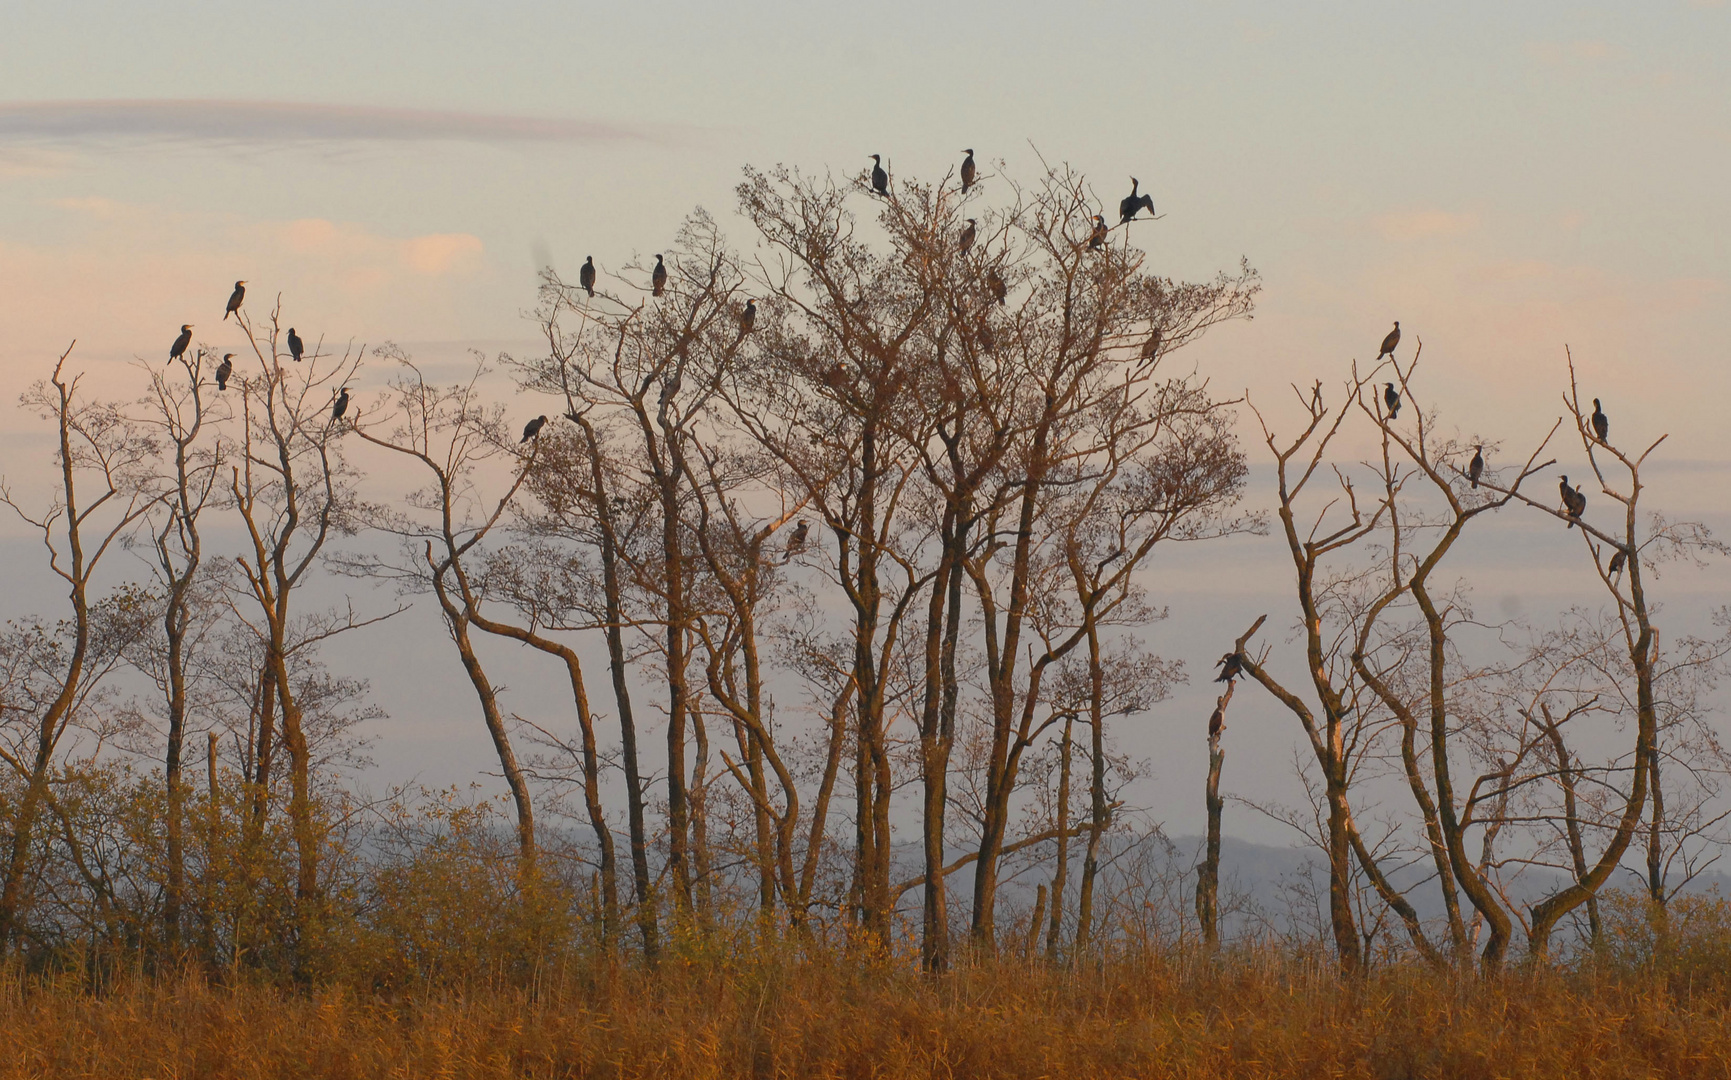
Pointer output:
x,y
826,1017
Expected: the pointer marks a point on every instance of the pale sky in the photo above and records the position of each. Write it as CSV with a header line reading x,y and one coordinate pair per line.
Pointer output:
x,y
1502,178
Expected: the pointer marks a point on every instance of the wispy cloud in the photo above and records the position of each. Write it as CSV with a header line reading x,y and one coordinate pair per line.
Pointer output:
x,y
284,121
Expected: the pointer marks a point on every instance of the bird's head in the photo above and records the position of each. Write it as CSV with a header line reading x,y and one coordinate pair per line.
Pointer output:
x,y
186,326
877,159
1478,448
1565,481
542,418
1397,324
227,356
1135,182
657,258
1389,385
969,151
972,221
1596,403
238,284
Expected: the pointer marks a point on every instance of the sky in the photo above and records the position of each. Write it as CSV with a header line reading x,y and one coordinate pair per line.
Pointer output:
x,y
1507,180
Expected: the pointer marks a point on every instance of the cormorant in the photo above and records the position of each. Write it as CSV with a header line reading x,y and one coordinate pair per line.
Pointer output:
x,y
658,279
1476,468
1217,721
880,179
967,240
224,370
988,341
1097,239
1151,347
178,349
796,541
1130,204
995,285
586,276
747,320
234,299
1231,666
296,346
1389,342
532,429
967,172
1391,398
1574,502
1617,561
1601,422
342,405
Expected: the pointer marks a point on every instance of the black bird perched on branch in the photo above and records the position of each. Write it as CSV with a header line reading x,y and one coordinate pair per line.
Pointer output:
x,y
1151,347
1130,205
747,320
224,370
658,278
178,349
967,240
995,285
1617,561
1601,422
880,179
1389,342
1391,398
1231,666
296,346
342,405
586,276
532,429
1217,721
967,171
1476,467
1097,239
1574,503
796,541
234,299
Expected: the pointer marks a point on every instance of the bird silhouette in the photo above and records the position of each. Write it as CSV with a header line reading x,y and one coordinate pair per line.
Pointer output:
x,y
178,349
1389,342
1130,205
1151,347
586,276
1391,398
1476,468
967,240
995,285
658,278
1231,666
1217,720
1574,502
224,370
796,541
234,299
532,429
967,171
296,346
342,404
1617,560
1601,422
747,320
1097,238
880,179
983,332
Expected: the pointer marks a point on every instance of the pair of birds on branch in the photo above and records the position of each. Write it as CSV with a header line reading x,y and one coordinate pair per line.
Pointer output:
x,y
657,277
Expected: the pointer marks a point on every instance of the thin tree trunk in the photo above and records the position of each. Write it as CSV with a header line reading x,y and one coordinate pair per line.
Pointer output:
x,y
1063,865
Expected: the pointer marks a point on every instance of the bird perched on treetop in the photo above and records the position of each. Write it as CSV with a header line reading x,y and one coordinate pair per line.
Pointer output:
x,y
1601,422
1574,502
658,278
532,429
1391,398
1097,239
178,349
224,370
1130,205
1389,342
1231,666
342,405
1217,721
747,320
586,276
1476,468
995,285
967,171
234,299
1151,347
796,540
880,179
296,346
967,240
